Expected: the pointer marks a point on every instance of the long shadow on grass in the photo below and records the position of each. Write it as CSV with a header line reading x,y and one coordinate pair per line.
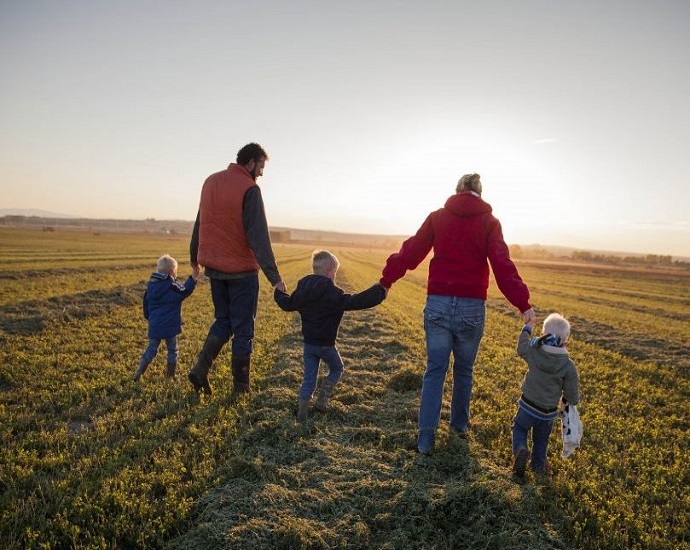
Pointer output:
x,y
351,477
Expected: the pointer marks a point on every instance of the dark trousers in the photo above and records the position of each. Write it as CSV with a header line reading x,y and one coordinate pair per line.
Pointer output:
x,y
235,303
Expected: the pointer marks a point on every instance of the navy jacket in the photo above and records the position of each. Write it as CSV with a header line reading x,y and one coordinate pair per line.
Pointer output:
x,y
321,305
163,304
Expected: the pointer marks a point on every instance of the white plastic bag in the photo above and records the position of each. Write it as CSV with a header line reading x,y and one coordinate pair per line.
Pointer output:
x,y
572,429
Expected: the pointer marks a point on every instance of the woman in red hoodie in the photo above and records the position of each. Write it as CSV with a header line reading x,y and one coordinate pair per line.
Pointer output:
x,y
465,237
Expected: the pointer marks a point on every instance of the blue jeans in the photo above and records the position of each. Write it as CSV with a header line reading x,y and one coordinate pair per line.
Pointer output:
x,y
312,357
235,302
453,325
541,430
152,350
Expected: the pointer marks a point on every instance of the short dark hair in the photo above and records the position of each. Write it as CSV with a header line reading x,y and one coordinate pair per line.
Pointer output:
x,y
251,151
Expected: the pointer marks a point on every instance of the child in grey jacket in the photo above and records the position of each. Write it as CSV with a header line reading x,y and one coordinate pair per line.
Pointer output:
x,y
551,377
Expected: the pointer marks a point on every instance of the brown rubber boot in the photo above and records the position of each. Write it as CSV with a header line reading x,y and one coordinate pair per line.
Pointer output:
x,y
303,409
325,394
240,373
198,376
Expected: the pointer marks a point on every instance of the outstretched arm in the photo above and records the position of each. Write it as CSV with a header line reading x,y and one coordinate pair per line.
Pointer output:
x,y
411,254
370,297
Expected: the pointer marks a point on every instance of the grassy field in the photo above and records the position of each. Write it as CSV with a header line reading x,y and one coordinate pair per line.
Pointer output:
x,y
90,459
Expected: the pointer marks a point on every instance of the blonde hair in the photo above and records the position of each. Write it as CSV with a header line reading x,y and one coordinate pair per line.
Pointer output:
x,y
322,261
556,324
469,182
166,264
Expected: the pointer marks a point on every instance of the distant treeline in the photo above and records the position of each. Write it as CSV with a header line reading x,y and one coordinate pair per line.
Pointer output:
x,y
584,256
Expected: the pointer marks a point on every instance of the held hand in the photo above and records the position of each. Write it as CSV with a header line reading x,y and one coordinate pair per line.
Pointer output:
x,y
196,270
385,290
529,318
280,285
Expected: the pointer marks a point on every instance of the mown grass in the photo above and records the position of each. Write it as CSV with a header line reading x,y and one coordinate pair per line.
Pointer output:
x,y
91,460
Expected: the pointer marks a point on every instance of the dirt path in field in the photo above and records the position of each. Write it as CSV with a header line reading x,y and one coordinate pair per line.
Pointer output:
x,y
351,477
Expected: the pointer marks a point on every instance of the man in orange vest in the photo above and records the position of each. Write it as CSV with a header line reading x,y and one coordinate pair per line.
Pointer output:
x,y
231,241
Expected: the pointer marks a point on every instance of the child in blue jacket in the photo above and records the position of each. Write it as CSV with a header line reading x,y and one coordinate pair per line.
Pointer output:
x,y
321,306
163,310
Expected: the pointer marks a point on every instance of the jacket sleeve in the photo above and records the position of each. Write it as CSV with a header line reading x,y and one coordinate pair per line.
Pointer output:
x,y
256,229
184,290
524,341
370,297
194,242
507,277
285,301
411,254
571,386
146,305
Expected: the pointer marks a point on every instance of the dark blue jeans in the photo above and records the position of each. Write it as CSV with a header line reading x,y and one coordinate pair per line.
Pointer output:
x,y
312,358
235,302
541,430
152,350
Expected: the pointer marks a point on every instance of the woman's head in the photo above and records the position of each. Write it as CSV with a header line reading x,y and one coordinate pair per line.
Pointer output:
x,y
469,182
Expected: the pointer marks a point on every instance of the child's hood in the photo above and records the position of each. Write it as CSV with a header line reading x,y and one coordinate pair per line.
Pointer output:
x,y
157,285
314,287
550,359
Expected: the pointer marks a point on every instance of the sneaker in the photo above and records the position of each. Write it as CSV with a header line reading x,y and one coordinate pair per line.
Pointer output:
x,y
520,463
425,441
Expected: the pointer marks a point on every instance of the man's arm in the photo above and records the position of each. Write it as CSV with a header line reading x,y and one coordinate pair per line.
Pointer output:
x,y
194,243
256,230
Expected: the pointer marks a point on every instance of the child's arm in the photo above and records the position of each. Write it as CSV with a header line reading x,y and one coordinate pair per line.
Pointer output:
x,y
571,386
285,301
184,290
370,297
525,337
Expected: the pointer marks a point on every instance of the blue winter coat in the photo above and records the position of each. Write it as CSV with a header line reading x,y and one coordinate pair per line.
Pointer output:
x,y
163,304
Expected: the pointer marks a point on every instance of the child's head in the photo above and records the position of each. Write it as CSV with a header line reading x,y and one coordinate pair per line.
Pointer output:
x,y
324,263
557,325
167,264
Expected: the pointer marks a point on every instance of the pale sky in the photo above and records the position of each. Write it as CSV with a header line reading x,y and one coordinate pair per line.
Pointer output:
x,y
576,114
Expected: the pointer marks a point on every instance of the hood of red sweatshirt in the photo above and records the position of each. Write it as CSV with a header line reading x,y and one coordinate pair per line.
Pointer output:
x,y
467,204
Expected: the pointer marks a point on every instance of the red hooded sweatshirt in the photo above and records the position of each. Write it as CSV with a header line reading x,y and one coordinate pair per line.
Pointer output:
x,y
464,235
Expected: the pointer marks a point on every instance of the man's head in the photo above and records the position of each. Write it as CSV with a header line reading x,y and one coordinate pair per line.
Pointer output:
x,y
324,263
167,264
469,182
253,157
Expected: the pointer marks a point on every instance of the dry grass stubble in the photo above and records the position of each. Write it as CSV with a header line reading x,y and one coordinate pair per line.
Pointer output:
x,y
351,477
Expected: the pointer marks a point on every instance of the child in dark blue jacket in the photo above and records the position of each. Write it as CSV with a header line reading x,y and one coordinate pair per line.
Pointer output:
x,y
321,305
163,310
